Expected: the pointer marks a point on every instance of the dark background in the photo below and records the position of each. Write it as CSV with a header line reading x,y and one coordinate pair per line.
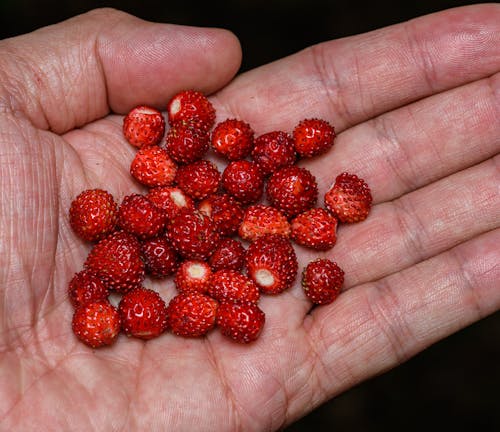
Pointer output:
x,y
451,386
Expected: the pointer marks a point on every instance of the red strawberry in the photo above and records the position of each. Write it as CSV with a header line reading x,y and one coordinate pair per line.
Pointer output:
x,y
191,107
160,258
93,214
232,139
153,167
116,260
273,150
193,276
192,314
292,190
193,235
240,321
143,313
232,285
140,217
185,144
85,287
349,199
322,281
96,324
271,263
225,211
229,254
198,179
143,126
170,199
262,219
244,181
313,137
315,228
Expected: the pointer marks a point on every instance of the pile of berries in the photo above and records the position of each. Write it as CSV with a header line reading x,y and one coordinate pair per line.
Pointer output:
x,y
225,238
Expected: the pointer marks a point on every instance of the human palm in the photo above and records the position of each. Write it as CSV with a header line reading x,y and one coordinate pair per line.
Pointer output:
x,y
416,109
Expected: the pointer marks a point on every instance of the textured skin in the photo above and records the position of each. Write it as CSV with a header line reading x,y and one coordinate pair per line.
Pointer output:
x,y
160,258
191,107
153,167
240,321
262,219
233,285
171,199
140,217
322,281
143,313
232,139
226,212
229,254
315,228
273,150
349,199
244,181
143,126
193,276
198,179
93,214
313,137
192,315
185,144
85,287
96,324
116,260
292,190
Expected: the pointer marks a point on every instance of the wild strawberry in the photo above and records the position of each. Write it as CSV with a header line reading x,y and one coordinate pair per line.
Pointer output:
x,y
244,181
193,276
349,199
271,263
143,126
143,313
225,211
191,107
229,254
153,167
185,144
315,228
240,321
198,179
159,256
232,139
193,235
192,314
273,150
96,324
260,219
232,285
322,281
140,217
313,137
170,199
85,287
292,190
116,260
93,214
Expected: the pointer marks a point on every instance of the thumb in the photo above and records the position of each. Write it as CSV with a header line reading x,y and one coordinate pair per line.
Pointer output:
x,y
71,73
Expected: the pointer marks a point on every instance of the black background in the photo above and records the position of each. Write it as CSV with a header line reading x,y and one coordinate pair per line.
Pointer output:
x,y
454,384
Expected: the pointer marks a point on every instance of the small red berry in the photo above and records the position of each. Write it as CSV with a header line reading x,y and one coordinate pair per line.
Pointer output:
x,y
193,276
192,314
191,107
292,190
225,211
185,144
96,324
229,254
322,281
198,179
232,285
349,199
313,137
273,150
260,219
93,214
170,199
315,228
143,126
240,321
232,139
153,167
244,181
140,217
159,256
143,313
85,287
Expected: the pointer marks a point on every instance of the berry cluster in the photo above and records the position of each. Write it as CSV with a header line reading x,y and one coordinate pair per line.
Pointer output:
x,y
226,238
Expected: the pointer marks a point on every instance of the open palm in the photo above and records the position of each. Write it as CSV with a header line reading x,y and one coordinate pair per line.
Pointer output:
x,y
416,107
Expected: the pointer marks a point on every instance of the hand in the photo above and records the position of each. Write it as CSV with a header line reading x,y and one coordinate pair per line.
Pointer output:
x,y
416,110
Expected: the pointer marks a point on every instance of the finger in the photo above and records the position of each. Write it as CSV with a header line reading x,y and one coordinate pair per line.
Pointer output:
x,y
66,75
353,79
